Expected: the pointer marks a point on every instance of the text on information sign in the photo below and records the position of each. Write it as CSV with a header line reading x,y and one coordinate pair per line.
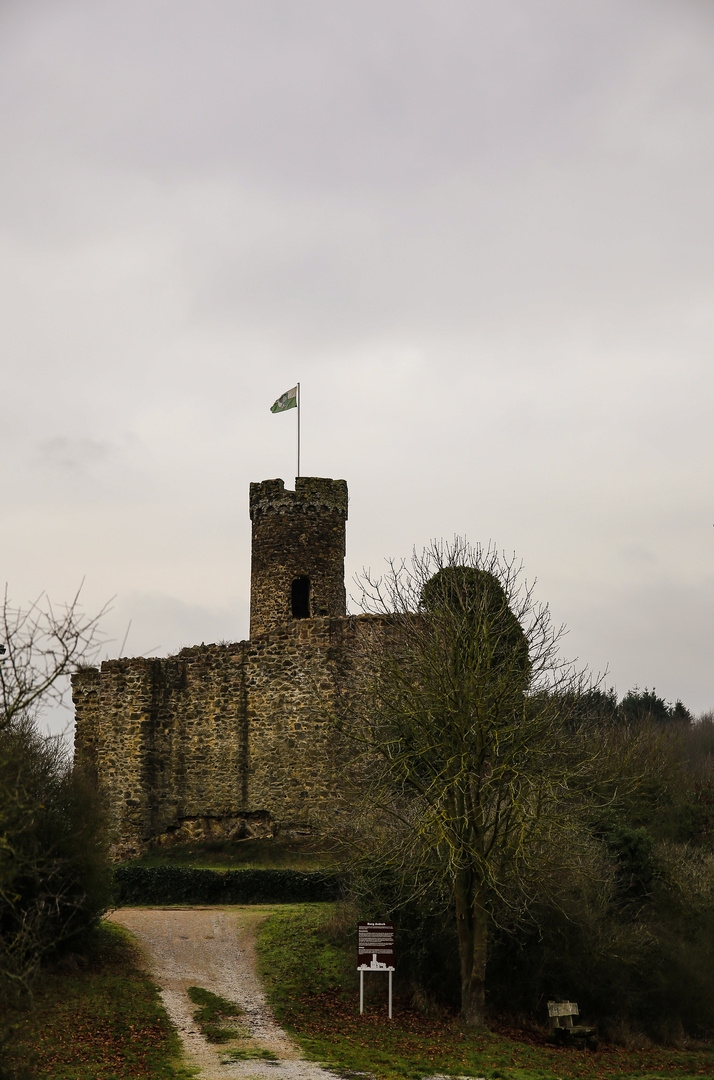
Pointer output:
x,y
375,946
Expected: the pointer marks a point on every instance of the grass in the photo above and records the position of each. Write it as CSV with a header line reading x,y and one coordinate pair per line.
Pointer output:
x,y
307,959
213,1009
93,1017
252,854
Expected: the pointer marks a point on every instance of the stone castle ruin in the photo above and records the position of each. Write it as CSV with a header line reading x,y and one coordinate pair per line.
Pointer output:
x,y
234,740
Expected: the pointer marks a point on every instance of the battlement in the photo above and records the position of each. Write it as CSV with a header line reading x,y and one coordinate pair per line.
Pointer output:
x,y
311,494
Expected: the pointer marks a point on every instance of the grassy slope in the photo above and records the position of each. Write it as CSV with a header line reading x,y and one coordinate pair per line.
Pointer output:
x,y
94,1018
306,956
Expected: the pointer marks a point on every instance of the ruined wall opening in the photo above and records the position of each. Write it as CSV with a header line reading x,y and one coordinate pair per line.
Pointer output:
x,y
300,598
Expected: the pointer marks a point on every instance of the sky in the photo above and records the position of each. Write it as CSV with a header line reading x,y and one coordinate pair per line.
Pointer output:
x,y
481,236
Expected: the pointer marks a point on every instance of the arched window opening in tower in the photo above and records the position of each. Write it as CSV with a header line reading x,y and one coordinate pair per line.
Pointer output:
x,y
301,598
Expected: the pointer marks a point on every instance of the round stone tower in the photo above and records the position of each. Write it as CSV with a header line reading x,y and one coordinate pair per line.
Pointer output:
x,y
298,553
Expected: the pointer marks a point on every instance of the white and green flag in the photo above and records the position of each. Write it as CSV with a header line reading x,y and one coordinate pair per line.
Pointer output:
x,y
288,400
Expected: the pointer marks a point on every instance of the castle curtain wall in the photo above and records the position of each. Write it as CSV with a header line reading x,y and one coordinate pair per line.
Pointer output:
x,y
219,740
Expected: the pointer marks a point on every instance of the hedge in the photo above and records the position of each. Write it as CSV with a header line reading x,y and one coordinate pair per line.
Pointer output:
x,y
188,885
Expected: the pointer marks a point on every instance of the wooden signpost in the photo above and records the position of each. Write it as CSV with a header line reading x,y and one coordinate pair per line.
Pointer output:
x,y
375,952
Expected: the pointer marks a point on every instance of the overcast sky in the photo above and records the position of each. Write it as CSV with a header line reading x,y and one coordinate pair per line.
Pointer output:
x,y
480,234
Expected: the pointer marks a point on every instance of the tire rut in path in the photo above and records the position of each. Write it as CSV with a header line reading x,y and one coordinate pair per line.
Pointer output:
x,y
214,947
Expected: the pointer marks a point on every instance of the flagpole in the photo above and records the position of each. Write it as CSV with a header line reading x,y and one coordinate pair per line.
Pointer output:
x,y
298,404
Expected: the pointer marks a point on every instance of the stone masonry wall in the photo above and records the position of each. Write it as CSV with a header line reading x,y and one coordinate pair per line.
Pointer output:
x,y
154,745
296,534
222,739
234,740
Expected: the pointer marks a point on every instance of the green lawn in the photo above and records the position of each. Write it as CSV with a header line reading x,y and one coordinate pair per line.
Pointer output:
x,y
307,959
94,1017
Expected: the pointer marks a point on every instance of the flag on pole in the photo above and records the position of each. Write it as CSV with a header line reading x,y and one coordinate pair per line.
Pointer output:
x,y
288,400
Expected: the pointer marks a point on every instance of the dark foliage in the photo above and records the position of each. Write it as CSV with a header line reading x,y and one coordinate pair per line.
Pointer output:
x,y
473,601
188,885
54,879
637,950
633,853
629,934
645,705
54,876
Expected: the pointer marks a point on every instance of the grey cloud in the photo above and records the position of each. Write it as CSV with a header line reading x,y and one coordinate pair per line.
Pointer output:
x,y
339,96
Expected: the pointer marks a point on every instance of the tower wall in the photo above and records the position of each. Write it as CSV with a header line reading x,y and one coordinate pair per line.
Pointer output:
x,y
298,551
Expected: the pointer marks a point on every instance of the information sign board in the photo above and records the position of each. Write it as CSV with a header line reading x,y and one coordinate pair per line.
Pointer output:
x,y
375,946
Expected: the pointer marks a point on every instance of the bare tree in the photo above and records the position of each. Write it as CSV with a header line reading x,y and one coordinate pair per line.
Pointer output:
x,y
42,645
52,850
472,760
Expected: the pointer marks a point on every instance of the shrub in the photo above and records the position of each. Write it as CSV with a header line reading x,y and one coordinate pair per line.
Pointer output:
x,y
54,877
189,885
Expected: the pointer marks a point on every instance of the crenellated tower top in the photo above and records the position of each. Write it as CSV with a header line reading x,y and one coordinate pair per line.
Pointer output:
x,y
298,551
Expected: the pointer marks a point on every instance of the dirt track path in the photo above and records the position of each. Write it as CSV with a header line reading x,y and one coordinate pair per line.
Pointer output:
x,y
214,947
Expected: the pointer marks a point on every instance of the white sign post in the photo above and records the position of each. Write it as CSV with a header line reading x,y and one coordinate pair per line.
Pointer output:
x,y
375,952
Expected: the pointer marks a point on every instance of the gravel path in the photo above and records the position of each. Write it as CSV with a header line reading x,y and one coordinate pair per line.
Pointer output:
x,y
214,947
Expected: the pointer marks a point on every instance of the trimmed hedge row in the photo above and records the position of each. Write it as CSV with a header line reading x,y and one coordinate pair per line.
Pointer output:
x,y
188,885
